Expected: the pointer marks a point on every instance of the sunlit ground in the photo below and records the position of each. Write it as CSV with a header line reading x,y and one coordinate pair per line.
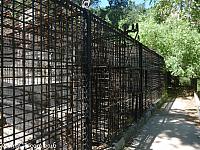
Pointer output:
x,y
175,127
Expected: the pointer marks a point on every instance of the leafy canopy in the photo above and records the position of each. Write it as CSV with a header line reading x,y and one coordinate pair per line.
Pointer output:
x,y
176,41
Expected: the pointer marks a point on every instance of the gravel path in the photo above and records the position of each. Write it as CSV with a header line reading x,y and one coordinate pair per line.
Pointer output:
x,y
175,127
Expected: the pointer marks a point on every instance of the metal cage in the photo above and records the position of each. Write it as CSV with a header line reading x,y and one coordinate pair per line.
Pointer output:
x,y
69,80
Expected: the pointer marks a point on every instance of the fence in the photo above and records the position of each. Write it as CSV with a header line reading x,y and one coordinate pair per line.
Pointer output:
x,y
68,79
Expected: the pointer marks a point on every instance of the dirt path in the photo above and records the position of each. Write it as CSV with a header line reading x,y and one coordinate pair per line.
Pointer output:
x,y
175,127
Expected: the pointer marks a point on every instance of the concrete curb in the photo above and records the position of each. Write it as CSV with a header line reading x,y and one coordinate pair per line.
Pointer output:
x,y
197,101
132,130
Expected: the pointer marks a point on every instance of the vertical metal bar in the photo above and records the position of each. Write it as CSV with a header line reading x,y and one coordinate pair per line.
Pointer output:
x,y
137,86
141,80
67,72
55,76
50,69
145,90
2,72
41,72
94,90
61,31
49,72
72,67
120,81
13,69
77,80
24,70
87,71
33,71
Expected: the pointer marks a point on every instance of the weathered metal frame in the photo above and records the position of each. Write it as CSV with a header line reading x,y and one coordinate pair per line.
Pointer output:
x,y
68,78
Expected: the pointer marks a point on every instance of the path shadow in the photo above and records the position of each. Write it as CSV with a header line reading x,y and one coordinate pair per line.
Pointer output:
x,y
168,124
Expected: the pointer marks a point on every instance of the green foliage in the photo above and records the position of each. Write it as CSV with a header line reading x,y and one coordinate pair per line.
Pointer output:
x,y
198,85
176,41
184,81
118,3
162,10
132,14
111,15
120,13
195,15
185,9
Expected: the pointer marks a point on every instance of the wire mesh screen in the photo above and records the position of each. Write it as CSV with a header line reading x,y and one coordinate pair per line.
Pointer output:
x,y
68,80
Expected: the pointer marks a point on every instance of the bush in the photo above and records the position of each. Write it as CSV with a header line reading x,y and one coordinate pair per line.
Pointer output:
x,y
198,85
184,81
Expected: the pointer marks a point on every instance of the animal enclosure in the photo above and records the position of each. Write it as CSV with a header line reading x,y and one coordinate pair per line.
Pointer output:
x,y
68,79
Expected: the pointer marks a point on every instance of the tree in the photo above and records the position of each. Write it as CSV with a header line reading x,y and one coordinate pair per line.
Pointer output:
x,y
133,14
184,9
176,41
118,3
117,11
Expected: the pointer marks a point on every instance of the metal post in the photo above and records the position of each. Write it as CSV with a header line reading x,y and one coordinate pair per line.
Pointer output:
x,y
87,72
2,72
146,87
141,81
